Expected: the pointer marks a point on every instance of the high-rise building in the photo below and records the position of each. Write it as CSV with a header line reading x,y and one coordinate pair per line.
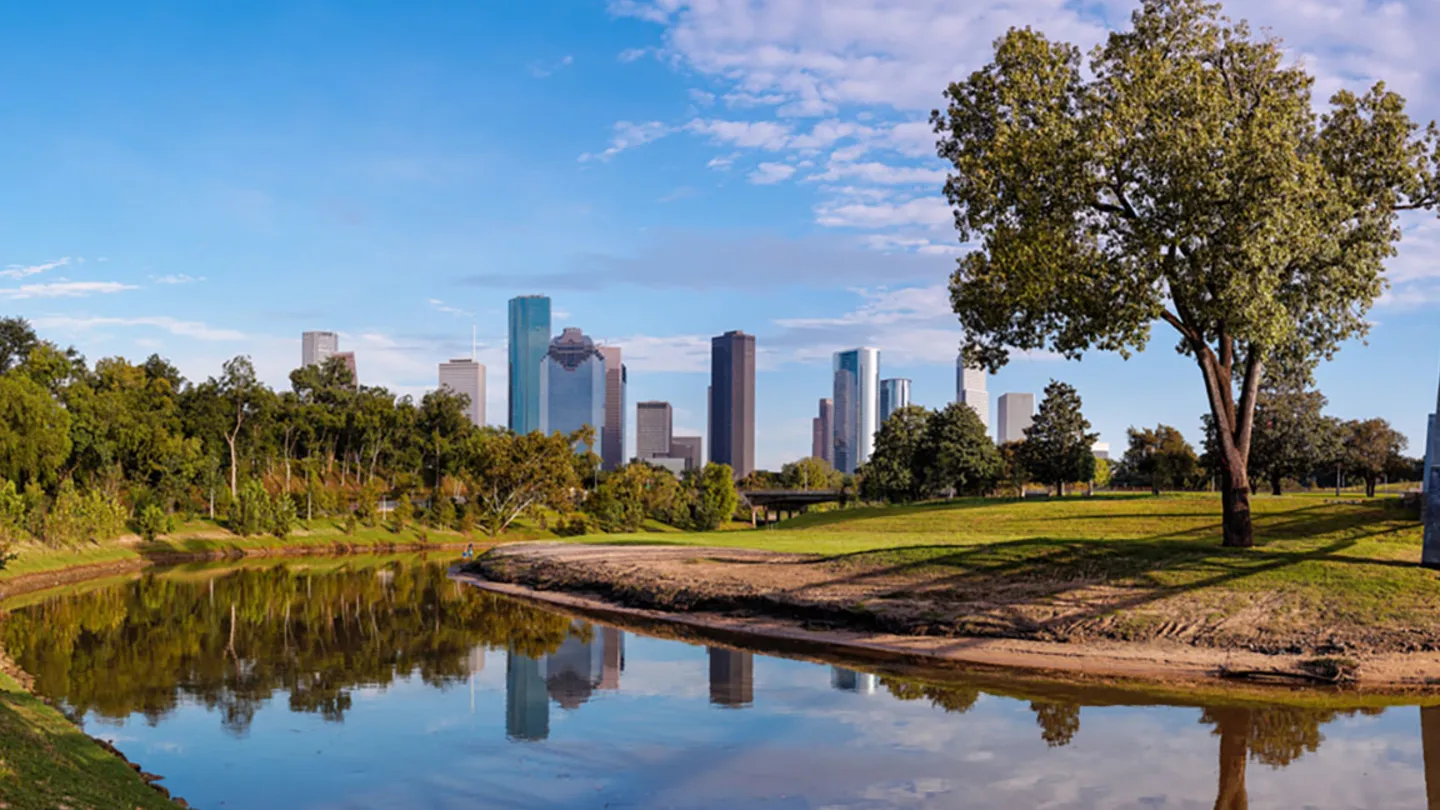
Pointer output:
x,y
822,437
613,434
527,703
1016,412
572,387
857,406
466,377
848,680
970,389
687,448
732,677
612,658
529,342
894,395
574,671
316,347
732,401
348,358
653,423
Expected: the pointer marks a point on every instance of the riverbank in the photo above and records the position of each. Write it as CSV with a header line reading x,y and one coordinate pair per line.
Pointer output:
x,y
1133,587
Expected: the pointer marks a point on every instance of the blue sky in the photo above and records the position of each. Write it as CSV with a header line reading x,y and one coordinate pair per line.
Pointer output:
x,y
205,180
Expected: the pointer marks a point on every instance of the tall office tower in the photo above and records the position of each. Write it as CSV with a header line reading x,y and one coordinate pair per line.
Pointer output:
x,y
616,380
612,658
970,389
653,423
529,341
572,387
466,377
732,401
822,435
848,680
732,677
316,347
687,448
894,395
527,704
857,406
1017,412
709,409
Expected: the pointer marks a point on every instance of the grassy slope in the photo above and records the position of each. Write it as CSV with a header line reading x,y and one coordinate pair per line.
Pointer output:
x,y
1338,561
46,763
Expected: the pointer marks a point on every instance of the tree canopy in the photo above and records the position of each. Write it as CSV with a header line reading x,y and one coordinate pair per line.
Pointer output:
x,y
1058,446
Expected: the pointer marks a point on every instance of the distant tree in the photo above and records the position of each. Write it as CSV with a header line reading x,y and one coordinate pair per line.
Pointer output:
x,y
1372,446
34,432
238,388
761,479
957,453
1292,437
1058,722
809,473
1183,176
1102,472
895,471
1161,457
1058,445
1014,473
515,475
17,339
716,498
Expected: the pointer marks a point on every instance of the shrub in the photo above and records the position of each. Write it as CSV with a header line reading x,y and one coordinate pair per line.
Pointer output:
x,y
442,513
465,521
351,525
250,514
403,513
282,516
151,522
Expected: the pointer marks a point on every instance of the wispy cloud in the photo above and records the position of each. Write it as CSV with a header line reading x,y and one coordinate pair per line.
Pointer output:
x,y
63,289
187,329
22,271
177,278
767,174
634,54
440,306
677,194
544,70
629,135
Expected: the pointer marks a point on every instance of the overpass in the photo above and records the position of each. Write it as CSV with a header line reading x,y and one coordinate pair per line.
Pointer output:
x,y
788,502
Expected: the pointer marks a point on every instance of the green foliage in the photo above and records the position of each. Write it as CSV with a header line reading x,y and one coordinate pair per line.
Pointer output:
x,y
1013,471
957,454
403,513
74,517
618,504
367,505
34,431
514,476
151,522
809,473
1371,447
465,521
896,471
716,498
351,524
250,514
1160,457
283,515
1103,472
442,511
1058,445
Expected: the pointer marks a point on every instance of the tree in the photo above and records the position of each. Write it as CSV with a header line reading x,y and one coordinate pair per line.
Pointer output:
x,y
17,339
1102,472
957,454
1185,178
895,471
1371,447
715,498
240,391
809,473
1014,473
1058,443
1160,456
34,432
513,475
1292,437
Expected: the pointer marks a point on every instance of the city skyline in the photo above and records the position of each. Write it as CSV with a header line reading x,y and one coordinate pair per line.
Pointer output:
x,y
731,431
856,398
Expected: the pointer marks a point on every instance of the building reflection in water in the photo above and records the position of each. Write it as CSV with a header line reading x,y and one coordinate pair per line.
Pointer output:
x,y
732,677
848,680
570,676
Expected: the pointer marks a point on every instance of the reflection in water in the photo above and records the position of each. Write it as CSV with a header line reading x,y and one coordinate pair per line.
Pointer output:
x,y
732,677
527,704
848,680
1430,744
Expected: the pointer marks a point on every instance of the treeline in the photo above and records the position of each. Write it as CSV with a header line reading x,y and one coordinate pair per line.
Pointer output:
x,y
84,450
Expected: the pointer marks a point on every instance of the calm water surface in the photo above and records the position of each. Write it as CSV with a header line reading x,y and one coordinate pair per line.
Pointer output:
x,y
385,685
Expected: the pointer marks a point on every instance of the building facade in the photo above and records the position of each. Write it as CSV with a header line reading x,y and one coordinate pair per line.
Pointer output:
x,y
857,406
317,347
822,438
572,387
348,358
529,335
688,448
467,378
653,424
1015,413
732,677
732,401
970,389
894,395
616,381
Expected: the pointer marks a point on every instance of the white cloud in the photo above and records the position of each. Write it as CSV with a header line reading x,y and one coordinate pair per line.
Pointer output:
x,y
702,97
544,70
770,173
22,271
629,135
722,162
883,174
177,278
440,306
187,329
64,289
922,211
633,54
744,134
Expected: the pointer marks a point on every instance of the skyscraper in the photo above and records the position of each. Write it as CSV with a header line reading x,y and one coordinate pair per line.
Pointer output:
x,y
572,387
732,401
688,448
822,438
1016,412
527,703
732,677
894,395
857,406
466,377
653,421
970,389
613,438
848,680
316,347
529,341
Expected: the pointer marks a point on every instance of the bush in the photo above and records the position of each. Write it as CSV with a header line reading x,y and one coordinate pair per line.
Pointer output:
x,y
282,516
572,526
442,512
151,522
351,525
250,514
367,505
74,518
465,521
403,513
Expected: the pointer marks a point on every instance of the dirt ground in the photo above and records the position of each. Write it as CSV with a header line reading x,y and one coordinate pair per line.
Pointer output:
x,y
1087,627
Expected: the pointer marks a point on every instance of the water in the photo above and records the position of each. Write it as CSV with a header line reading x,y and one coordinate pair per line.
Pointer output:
x,y
385,685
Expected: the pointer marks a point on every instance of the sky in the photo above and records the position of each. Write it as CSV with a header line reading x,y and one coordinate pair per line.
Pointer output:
x,y
208,180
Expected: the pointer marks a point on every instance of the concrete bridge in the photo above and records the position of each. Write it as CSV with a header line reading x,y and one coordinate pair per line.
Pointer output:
x,y
788,502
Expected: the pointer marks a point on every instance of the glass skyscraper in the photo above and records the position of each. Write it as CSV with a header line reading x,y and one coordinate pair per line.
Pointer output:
x,y
572,387
529,341
894,395
857,406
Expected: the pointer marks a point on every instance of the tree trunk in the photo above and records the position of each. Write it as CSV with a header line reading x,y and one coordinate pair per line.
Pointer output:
x,y
1059,489
1275,485
1154,486
1237,529
1234,728
234,488
1430,754
1370,481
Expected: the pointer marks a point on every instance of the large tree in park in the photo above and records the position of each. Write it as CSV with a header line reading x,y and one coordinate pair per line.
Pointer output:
x,y
957,454
1185,177
1058,444
1161,456
894,471
1292,438
1371,448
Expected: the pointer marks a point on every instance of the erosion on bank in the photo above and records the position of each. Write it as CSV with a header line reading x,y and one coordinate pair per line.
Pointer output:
x,y
1330,580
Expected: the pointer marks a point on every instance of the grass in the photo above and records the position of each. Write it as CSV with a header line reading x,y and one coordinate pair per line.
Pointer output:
x,y
47,763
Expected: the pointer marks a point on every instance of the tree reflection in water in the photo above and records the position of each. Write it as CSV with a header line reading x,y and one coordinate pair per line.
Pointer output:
x,y
232,640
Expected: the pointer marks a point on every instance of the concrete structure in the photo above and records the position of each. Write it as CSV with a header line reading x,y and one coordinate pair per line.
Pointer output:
x,y
616,381
970,389
689,448
348,358
822,434
653,422
1016,412
732,401
676,466
466,377
848,680
894,395
527,703
1101,450
316,347
732,677
572,387
529,341
1430,555
857,406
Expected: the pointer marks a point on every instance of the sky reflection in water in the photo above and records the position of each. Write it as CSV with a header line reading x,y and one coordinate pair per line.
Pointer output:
x,y
391,687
